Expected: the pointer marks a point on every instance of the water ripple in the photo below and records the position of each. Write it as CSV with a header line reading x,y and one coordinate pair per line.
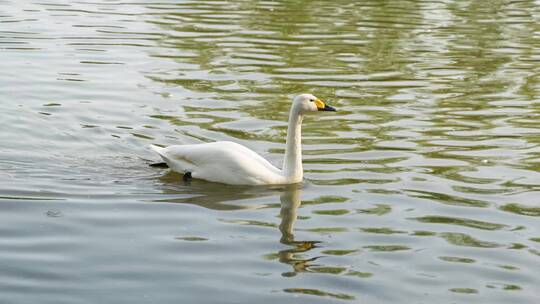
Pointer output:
x,y
428,171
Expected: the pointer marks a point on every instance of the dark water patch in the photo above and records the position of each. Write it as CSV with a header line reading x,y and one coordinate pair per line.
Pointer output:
x,y
351,181
448,199
464,290
460,222
327,229
508,267
423,233
331,212
521,209
387,248
339,252
359,274
383,230
139,135
379,209
517,246
457,259
326,199
328,270
511,287
26,198
461,239
54,213
191,238
319,293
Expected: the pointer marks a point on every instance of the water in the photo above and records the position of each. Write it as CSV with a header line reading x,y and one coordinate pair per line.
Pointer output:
x,y
423,188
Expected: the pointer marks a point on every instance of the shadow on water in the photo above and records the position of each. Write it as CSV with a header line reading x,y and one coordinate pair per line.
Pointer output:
x,y
214,196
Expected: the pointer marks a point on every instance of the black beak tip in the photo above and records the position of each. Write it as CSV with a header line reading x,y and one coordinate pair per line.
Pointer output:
x,y
328,108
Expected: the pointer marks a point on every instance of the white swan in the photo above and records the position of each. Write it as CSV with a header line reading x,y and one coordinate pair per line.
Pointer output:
x,y
231,163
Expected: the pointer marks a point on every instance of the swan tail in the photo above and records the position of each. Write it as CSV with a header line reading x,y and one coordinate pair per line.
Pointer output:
x,y
161,152
175,162
157,149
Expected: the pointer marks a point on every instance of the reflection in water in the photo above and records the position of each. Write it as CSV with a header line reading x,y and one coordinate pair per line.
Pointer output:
x,y
213,196
290,201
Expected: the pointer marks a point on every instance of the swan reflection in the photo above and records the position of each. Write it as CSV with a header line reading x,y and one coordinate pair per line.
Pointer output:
x,y
213,196
290,202
228,198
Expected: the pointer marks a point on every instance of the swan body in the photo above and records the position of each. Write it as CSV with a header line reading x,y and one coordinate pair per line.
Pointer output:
x,y
223,162
231,163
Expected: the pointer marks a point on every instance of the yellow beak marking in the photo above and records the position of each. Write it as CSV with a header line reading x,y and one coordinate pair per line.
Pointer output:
x,y
320,104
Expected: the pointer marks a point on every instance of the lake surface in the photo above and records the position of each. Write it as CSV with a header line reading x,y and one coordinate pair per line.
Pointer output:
x,y
424,187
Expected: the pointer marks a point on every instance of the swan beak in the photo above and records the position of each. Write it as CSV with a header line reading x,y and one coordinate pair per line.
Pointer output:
x,y
323,107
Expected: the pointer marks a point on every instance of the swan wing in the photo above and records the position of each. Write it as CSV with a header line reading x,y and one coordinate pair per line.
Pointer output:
x,y
224,162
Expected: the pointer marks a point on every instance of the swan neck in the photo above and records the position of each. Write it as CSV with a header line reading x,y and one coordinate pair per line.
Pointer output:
x,y
292,165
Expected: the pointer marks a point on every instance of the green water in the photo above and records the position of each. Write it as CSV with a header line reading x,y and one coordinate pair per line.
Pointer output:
x,y
424,187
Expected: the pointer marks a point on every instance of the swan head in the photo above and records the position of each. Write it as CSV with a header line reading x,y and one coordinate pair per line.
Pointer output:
x,y
305,103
